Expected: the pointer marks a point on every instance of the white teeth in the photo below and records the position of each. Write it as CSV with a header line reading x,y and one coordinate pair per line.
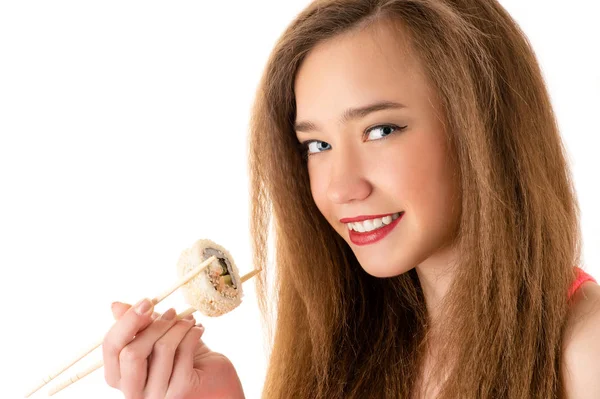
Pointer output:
x,y
372,224
359,227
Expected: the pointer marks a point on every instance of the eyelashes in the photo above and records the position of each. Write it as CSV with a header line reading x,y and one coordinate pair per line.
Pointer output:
x,y
304,147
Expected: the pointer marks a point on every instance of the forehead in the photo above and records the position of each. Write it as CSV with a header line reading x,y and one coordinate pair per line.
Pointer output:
x,y
358,67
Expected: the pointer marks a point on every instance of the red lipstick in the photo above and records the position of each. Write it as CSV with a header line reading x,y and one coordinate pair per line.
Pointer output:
x,y
365,217
371,237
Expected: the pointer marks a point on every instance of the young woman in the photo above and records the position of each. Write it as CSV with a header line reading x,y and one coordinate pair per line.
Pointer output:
x,y
406,156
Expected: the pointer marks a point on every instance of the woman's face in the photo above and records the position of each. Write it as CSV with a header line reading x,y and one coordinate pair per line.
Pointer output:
x,y
372,163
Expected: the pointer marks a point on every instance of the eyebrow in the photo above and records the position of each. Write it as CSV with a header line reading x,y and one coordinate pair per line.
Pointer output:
x,y
351,114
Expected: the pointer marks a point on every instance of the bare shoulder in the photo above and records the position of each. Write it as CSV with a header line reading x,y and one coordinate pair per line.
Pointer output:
x,y
581,344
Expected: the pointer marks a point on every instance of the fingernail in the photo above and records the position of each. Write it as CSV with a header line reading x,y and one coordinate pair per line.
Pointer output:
x,y
188,317
143,306
199,325
168,315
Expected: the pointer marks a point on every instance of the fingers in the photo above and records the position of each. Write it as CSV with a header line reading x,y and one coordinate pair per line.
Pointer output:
x,y
184,356
134,357
118,309
121,334
163,354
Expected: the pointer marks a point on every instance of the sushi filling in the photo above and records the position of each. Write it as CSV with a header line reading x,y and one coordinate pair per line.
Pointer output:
x,y
220,274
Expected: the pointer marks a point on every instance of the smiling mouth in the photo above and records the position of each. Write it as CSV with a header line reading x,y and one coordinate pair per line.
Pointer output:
x,y
369,225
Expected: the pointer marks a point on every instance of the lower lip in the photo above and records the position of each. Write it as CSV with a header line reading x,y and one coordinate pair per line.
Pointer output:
x,y
375,235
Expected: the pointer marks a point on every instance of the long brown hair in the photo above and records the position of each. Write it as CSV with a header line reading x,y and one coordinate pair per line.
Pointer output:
x,y
336,332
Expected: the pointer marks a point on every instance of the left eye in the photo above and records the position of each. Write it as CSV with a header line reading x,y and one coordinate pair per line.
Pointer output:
x,y
381,131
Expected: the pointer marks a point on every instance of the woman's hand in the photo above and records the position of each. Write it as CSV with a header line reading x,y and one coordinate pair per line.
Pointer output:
x,y
165,359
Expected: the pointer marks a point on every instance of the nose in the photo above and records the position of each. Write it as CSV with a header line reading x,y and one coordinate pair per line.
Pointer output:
x,y
347,180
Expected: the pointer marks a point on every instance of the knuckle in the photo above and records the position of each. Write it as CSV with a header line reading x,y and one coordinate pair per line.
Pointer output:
x,y
109,345
163,346
129,354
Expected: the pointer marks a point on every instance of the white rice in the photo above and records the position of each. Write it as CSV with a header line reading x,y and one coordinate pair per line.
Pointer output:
x,y
199,292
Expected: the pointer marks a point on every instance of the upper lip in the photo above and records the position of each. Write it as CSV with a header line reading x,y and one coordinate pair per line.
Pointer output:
x,y
365,217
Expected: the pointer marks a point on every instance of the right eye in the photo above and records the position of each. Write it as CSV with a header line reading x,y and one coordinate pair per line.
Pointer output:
x,y
315,146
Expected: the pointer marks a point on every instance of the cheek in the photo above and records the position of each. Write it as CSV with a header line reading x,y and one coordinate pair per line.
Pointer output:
x,y
318,189
418,175
430,187
397,178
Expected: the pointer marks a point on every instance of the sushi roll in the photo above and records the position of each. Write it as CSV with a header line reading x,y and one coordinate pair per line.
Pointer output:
x,y
217,289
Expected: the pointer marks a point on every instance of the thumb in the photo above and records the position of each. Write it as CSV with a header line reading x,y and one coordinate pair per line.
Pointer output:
x,y
119,309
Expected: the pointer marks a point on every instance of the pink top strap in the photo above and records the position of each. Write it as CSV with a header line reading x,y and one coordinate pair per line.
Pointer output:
x,y
582,277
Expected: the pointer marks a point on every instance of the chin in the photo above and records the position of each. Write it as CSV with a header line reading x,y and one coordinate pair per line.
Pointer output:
x,y
383,269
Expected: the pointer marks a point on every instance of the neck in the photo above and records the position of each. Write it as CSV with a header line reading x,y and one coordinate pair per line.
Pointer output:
x,y
436,274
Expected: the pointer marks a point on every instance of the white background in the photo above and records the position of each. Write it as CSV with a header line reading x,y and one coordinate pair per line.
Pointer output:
x,y
123,140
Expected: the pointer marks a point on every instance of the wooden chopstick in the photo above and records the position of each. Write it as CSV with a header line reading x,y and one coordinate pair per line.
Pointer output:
x,y
185,279
78,376
100,363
